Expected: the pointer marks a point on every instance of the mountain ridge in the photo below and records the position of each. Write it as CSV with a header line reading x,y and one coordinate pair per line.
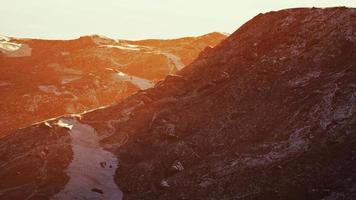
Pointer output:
x,y
40,79
195,114
269,113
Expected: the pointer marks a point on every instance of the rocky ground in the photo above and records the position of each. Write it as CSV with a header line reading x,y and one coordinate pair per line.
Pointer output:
x,y
33,162
43,79
269,113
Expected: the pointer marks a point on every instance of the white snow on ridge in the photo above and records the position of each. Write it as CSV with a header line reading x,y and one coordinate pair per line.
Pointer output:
x,y
12,49
225,34
9,46
128,47
100,39
4,38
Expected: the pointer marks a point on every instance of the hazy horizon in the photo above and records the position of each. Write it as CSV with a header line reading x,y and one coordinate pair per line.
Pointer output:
x,y
134,19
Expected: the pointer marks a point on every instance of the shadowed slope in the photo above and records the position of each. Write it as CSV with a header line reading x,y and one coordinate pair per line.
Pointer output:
x,y
267,114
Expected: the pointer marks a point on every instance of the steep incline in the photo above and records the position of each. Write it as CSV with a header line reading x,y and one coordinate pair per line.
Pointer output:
x,y
41,79
270,113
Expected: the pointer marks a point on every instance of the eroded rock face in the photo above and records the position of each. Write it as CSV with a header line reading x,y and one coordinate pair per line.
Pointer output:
x,y
33,162
267,114
41,79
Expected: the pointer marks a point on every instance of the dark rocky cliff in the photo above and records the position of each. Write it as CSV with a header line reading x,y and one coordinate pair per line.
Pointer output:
x,y
270,113
267,114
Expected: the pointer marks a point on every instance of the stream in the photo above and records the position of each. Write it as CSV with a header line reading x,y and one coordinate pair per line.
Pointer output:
x,y
92,169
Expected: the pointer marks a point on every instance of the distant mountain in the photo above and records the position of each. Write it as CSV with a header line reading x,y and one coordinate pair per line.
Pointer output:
x,y
42,79
269,113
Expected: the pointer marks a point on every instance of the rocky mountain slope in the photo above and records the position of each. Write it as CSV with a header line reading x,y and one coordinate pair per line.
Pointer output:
x,y
42,79
270,113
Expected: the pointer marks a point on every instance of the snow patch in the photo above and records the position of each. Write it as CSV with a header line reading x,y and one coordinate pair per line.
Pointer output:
x,y
12,49
9,46
128,47
121,74
48,124
4,38
99,39
64,124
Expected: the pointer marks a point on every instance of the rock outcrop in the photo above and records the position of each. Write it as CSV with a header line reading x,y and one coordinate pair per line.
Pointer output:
x,y
269,113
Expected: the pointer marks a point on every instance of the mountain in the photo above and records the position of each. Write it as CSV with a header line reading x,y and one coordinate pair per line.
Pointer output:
x,y
269,113
42,79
